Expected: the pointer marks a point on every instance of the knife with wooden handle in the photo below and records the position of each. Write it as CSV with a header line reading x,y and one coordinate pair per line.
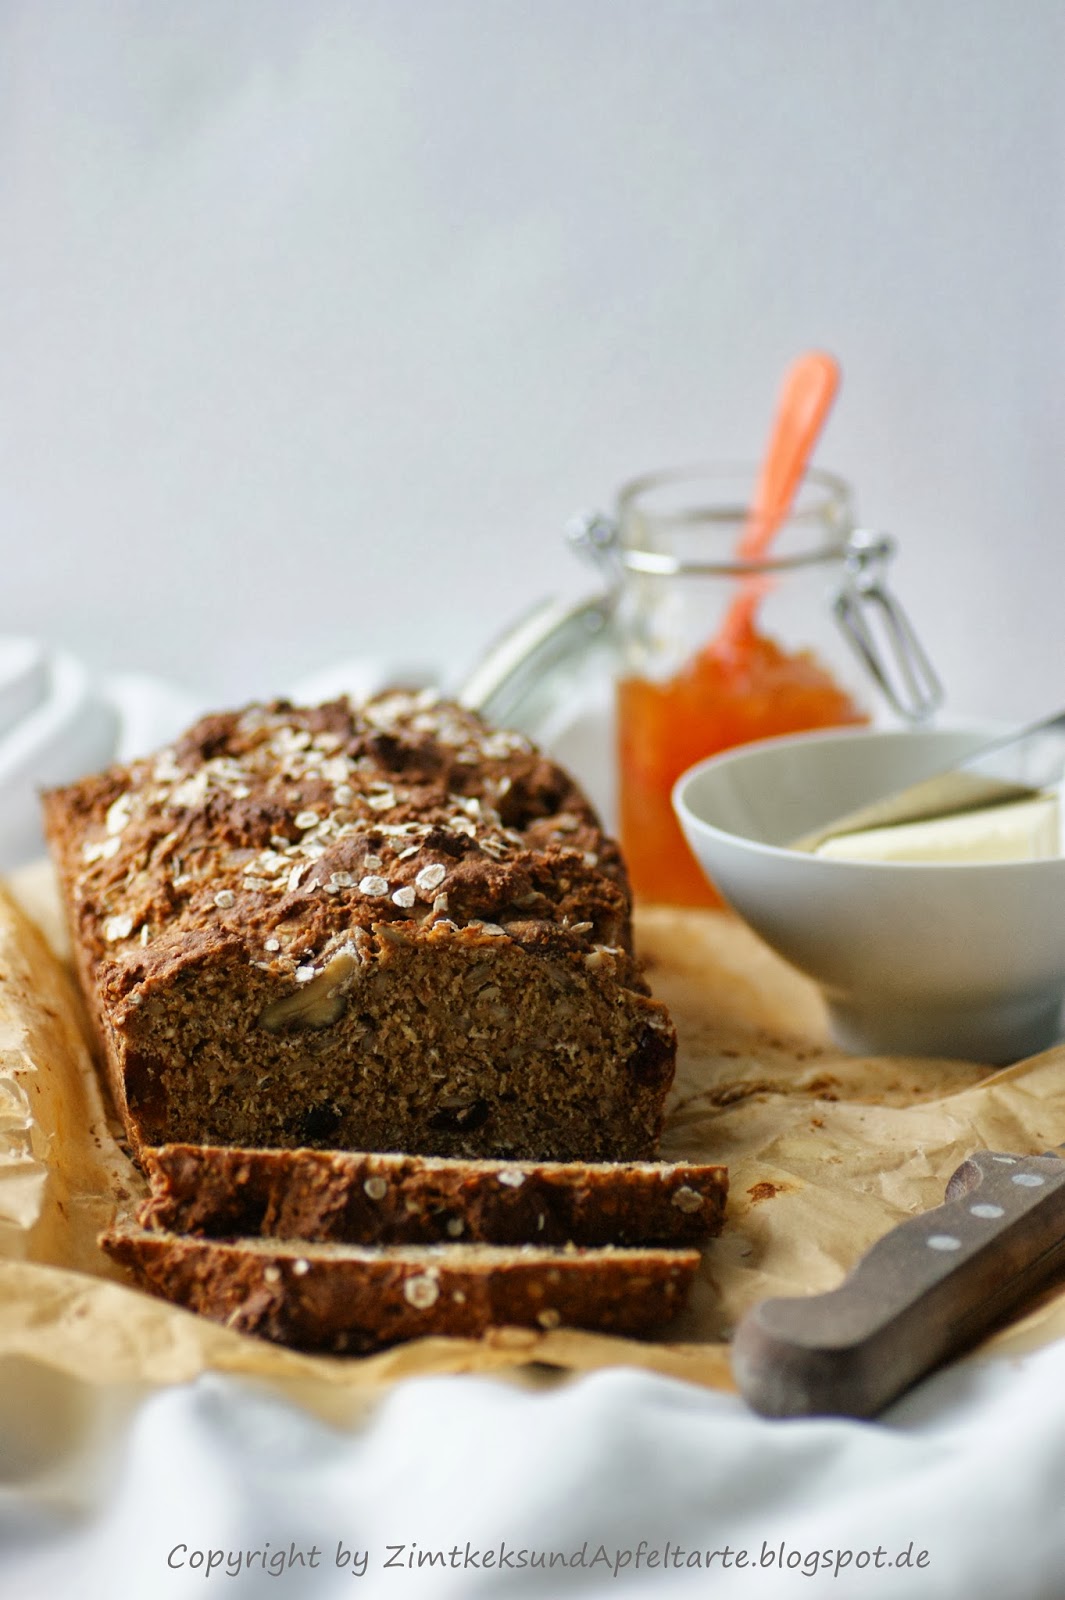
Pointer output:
x,y
923,1292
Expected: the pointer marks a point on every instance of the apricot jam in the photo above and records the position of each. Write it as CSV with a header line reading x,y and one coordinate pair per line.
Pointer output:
x,y
738,688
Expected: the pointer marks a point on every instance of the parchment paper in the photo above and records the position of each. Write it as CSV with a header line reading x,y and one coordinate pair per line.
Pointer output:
x,y
826,1152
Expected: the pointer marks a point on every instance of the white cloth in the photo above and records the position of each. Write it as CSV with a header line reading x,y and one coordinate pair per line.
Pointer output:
x,y
100,1490
969,1468
57,723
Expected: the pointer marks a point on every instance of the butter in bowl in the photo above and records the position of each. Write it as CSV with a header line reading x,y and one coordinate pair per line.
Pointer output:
x,y
930,935
1019,830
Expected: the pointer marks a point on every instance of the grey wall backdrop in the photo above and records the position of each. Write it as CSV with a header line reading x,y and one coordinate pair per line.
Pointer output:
x,y
317,319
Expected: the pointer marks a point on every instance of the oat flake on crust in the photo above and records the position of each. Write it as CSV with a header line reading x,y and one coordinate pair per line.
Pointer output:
x,y
303,825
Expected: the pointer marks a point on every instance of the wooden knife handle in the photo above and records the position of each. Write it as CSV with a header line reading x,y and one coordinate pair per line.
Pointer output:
x,y
924,1291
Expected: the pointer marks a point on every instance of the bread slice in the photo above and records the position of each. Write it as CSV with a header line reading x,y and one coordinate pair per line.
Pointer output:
x,y
347,1299
383,927
374,1199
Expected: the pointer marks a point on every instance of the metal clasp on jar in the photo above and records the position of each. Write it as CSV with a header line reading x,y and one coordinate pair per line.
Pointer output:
x,y
868,612
879,631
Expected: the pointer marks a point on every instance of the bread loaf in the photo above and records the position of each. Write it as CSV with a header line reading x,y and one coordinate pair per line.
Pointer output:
x,y
393,1199
385,928
341,1298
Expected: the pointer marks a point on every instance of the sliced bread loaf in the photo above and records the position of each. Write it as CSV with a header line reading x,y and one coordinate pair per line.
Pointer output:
x,y
357,1198
378,927
350,1300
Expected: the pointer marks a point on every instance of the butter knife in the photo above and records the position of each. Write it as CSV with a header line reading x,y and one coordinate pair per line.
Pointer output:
x,y
1017,766
922,1293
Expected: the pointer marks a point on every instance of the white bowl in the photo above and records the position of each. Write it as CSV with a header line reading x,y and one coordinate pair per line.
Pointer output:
x,y
960,960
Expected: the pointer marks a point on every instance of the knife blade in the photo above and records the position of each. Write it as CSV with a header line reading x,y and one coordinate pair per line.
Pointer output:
x,y
1014,767
925,1291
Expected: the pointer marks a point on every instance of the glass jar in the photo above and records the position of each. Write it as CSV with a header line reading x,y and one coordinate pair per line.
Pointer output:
x,y
714,652
688,651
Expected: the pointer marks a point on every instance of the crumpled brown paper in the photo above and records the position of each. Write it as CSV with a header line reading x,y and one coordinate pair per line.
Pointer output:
x,y
826,1152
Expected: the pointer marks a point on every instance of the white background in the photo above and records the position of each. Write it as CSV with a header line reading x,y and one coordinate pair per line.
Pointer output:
x,y
317,320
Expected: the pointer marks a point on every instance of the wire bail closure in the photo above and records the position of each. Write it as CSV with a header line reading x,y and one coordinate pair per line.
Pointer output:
x,y
900,666
866,609
595,536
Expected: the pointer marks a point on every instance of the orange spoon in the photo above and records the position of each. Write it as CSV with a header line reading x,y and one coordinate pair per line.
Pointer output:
x,y
806,397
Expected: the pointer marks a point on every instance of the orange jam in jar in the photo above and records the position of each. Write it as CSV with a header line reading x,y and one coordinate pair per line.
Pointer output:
x,y
715,652
730,693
